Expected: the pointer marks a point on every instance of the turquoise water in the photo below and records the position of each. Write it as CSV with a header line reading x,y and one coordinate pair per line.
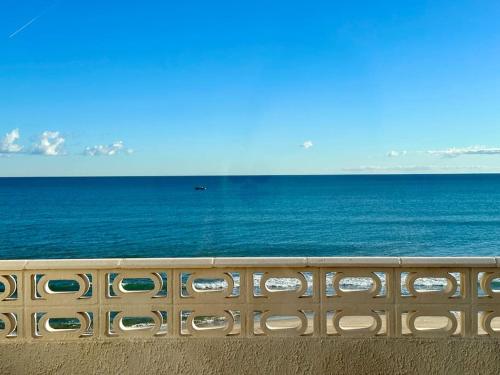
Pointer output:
x,y
250,216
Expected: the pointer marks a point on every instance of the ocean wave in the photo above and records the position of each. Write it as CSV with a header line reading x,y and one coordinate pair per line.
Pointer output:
x,y
348,283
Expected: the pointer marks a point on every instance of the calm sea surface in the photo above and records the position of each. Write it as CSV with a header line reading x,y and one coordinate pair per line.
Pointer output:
x,y
250,216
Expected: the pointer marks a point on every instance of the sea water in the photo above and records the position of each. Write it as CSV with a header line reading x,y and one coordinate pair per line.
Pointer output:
x,y
403,215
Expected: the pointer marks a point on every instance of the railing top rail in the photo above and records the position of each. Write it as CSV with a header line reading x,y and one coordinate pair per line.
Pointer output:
x,y
249,262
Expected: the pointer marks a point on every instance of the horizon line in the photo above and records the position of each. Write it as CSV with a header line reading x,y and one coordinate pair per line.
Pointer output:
x,y
267,175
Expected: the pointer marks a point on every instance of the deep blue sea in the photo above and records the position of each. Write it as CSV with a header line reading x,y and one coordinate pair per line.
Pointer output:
x,y
404,215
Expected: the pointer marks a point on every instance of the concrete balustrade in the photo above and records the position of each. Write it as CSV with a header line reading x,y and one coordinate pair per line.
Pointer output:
x,y
287,299
249,297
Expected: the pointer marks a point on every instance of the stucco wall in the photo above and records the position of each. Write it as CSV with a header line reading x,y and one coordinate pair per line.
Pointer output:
x,y
254,356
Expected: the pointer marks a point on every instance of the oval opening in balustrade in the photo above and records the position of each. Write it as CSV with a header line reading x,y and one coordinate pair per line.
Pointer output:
x,y
281,284
209,285
432,284
136,322
494,285
64,286
138,284
2,325
495,324
2,287
356,284
277,322
201,322
427,323
355,322
63,324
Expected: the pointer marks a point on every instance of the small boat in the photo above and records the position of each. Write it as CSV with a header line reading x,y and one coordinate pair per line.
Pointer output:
x,y
200,188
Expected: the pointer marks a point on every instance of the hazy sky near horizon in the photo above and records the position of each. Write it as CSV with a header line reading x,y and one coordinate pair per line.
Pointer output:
x,y
260,87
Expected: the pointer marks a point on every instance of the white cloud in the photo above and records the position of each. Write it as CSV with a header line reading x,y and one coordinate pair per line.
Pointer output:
x,y
107,150
50,144
395,154
397,168
8,143
307,144
453,152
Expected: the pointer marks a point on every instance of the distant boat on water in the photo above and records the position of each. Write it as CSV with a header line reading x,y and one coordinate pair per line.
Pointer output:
x,y
200,188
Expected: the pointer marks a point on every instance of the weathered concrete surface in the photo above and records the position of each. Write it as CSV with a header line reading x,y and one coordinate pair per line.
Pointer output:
x,y
254,356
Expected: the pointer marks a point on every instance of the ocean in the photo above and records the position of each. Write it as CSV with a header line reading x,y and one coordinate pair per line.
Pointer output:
x,y
389,215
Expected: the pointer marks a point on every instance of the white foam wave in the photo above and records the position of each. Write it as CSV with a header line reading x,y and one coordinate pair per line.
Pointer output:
x,y
348,283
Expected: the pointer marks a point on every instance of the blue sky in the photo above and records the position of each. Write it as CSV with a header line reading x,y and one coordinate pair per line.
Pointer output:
x,y
261,87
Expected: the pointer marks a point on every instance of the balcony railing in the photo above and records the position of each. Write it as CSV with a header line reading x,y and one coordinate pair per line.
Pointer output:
x,y
248,297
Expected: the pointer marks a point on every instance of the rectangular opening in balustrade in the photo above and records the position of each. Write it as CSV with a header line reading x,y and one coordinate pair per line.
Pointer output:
x,y
222,323
488,285
356,323
8,287
425,284
136,323
45,286
53,324
128,284
207,283
281,323
291,282
431,322
339,284
488,321
8,325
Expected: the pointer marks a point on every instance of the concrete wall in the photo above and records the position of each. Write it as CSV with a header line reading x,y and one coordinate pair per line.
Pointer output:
x,y
468,344
264,355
